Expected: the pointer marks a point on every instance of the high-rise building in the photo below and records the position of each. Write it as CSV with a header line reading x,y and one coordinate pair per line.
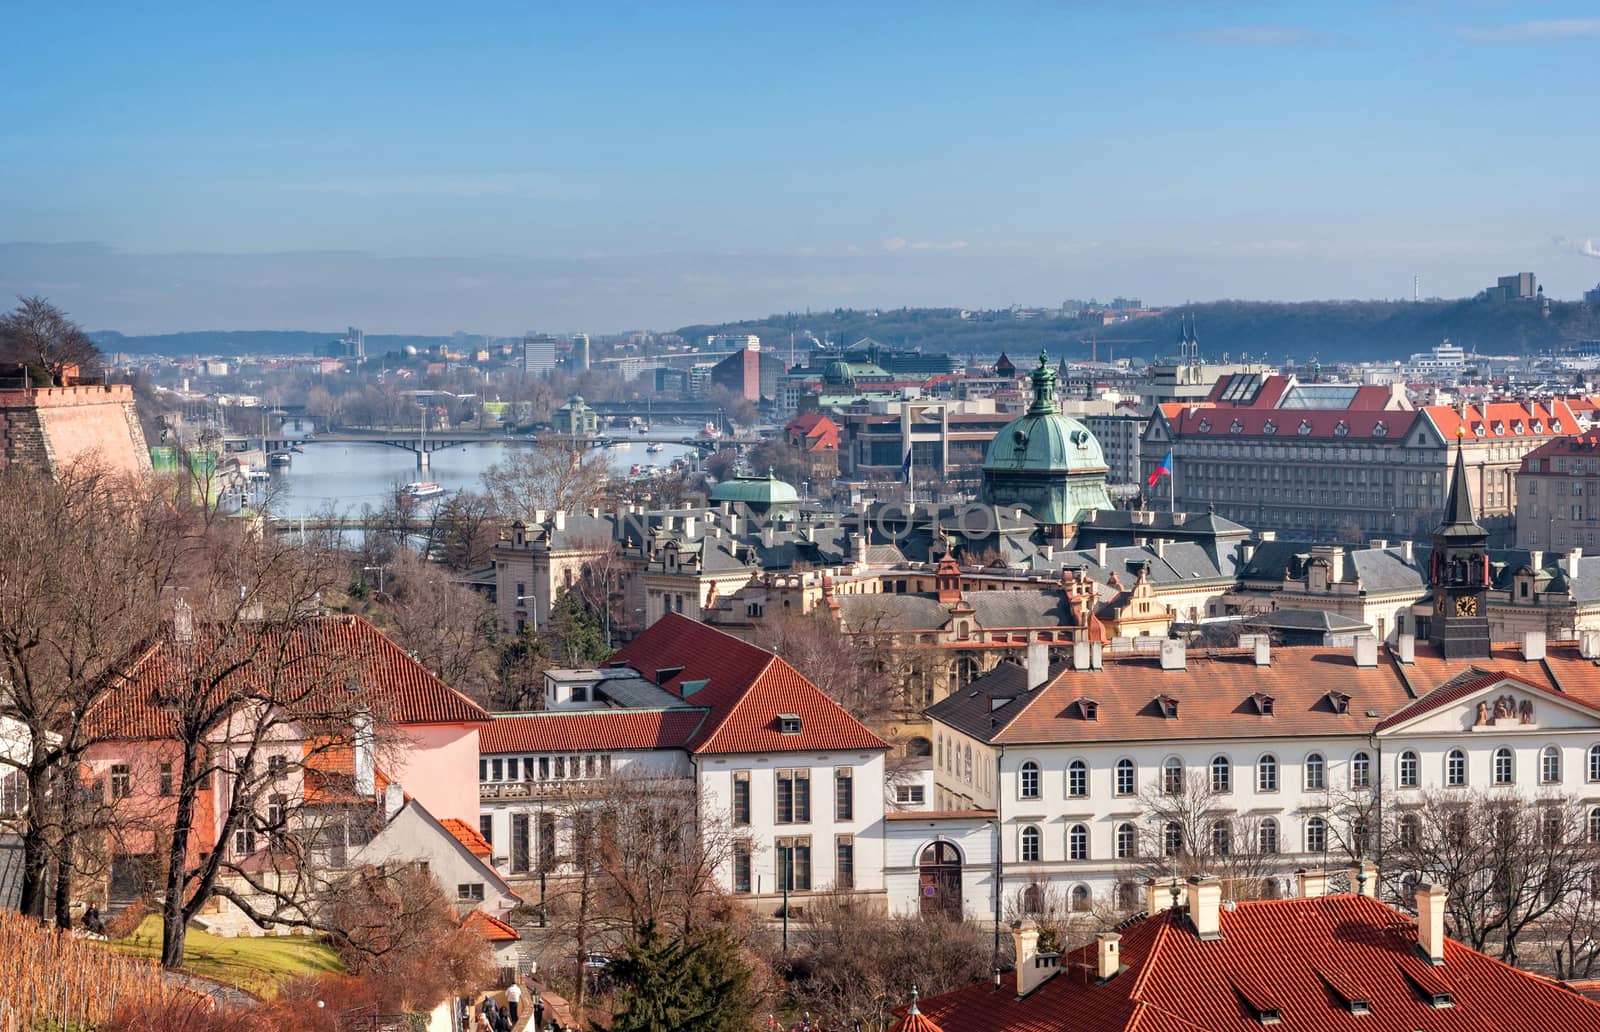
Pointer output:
x,y
733,342
538,353
579,360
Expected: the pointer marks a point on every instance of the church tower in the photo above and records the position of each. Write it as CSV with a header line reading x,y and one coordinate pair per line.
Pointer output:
x,y
1459,574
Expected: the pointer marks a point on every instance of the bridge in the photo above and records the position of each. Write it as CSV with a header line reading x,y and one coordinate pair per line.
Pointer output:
x,y
424,445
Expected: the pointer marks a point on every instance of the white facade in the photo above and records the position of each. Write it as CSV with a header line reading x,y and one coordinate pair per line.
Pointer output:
x,y
912,850
414,835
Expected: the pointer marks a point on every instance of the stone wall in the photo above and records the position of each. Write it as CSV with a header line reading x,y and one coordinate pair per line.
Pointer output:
x,y
51,427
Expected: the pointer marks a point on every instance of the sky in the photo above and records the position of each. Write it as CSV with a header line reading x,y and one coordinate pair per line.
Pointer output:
x,y
502,167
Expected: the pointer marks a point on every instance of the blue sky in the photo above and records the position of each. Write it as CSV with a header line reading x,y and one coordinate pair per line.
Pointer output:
x,y
499,167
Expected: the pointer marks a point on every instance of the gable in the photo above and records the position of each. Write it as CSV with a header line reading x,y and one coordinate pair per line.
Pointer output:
x,y
1490,703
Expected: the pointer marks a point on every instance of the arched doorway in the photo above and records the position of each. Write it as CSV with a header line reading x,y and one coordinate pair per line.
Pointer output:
x,y
939,880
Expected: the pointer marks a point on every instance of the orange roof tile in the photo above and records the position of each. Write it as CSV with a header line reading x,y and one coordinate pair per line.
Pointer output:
x,y
555,731
468,836
492,929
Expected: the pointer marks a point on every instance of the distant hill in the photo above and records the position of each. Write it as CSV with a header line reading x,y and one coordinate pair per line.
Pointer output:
x,y
1331,331
233,343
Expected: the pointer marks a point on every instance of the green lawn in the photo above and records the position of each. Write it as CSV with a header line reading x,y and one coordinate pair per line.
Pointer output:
x,y
255,965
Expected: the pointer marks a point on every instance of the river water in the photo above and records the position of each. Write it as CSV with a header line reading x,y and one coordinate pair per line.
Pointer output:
x,y
344,478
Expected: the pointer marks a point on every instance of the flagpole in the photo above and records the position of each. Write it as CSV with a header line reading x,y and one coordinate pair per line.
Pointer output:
x,y
1172,486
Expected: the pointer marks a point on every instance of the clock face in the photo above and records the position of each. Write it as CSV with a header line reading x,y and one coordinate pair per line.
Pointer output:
x,y
1467,605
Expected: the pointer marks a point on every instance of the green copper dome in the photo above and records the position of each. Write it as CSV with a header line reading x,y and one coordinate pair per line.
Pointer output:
x,y
1045,462
760,494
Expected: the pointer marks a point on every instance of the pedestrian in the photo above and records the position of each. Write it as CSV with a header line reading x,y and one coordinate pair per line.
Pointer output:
x,y
502,1021
513,997
483,1022
538,1014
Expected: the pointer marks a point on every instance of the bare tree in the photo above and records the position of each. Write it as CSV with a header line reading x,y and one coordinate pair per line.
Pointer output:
x,y
550,475
861,667
447,627
1190,827
36,332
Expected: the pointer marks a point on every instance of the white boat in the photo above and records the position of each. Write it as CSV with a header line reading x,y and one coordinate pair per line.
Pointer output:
x,y
711,430
656,448
257,474
423,489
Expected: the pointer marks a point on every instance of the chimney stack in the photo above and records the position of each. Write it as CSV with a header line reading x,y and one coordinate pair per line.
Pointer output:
x,y
1311,884
1173,654
1573,560
1100,554
689,526
1095,651
1263,650
363,763
1366,651
1589,644
1159,895
1364,878
1430,921
1205,906
1408,552
1536,560
1080,655
1532,646
1038,664
1108,957
539,516
1033,967
1405,647
182,623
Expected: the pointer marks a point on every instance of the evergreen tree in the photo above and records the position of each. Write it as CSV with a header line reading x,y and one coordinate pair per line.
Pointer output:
x,y
575,634
669,985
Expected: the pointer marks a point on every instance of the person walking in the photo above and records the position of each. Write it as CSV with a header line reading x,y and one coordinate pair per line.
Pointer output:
x,y
513,997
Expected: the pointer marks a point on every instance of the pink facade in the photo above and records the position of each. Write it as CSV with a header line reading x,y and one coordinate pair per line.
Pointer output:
x,y
437,764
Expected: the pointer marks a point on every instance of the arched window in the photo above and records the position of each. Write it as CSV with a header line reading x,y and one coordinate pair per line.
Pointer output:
x,y
1080,899
1221,774
1455,768
1222,838
1127,777
1360,836
918,746
1127,896
1594,826
1127,845
1361,770
1028,781
1550,824
1316,835
1078,842
1172,839
967,773
1267,773
1594,763
1030,845
1077,779
1410,770
1504,767
1172,776
1316,772
1550,766
1033,899
1410,831
1267,836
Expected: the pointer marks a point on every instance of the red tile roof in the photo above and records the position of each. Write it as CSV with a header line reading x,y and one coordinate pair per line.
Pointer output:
x,y
1578,444
1506,415
492,929
745,691
555,731
468,836
1286,952
309,668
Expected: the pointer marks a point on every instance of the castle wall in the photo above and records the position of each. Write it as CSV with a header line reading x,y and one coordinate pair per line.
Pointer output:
x,y
50,428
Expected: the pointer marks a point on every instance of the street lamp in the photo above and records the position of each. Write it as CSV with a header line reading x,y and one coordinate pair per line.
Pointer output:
x,y
380,570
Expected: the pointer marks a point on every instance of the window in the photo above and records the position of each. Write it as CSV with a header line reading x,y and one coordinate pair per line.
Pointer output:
x,y
1316,835
794,864
908,795
497,769
277,763
1172,776
1030,845
277,810
1077,779
741,798
1267,773
741,867
544,768
1316,773
605,765
527,768
1594,826
1221,774
1127,776
1078,842
1028,781
1550,766
1410,831
1455,768
1550,826
1594,763
521,847
1361,770
1410,770
1080,899
121,781
244,841
486,827
588,767
1221,838
844,863
1503,769
470,892
561,768
1267,836
512,774
1172,839
794,796
1127,842
165,779
547,841
844,803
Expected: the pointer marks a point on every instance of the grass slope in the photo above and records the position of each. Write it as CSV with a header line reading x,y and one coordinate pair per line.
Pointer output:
x,y
257,966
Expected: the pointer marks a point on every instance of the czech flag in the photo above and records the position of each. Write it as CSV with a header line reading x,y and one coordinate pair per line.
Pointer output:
x,y
1163,470
905,468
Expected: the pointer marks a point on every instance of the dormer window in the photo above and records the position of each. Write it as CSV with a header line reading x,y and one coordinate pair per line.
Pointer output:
x,y
788,723
1236,427
1478,430
1263,703
1205,425
1168,706
1341,429
1088,709
1304,429
1538,426
1499,428
1381,429
1269,427
1518,429
1339,702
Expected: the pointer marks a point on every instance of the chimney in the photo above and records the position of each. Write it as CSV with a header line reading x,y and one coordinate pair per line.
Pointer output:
x,y
1080,655
1100,554
182,623
1095,649
733,525
1572,561
769,536
1311,884
1408,552
1030,972
1038,664
1532,646
1589,644
1405,647
1536,560
1161,548
1248,550
1173,654
394,799
362,762
1430,921
1366,651
1267,535
1205,905
1108,957
1161,895
539,516
1363,878
1381,544
561,519
689,526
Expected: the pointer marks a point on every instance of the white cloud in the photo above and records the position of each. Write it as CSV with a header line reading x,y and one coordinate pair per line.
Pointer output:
x,y
1589,249
902,244
1516,32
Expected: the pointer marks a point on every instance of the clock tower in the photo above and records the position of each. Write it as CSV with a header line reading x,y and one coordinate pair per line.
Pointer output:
x,y
1459,574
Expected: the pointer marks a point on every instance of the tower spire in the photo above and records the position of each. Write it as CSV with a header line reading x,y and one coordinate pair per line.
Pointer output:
x,y
1458,505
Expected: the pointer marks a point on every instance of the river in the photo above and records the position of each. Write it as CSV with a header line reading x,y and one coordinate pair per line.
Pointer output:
x,y
345,477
